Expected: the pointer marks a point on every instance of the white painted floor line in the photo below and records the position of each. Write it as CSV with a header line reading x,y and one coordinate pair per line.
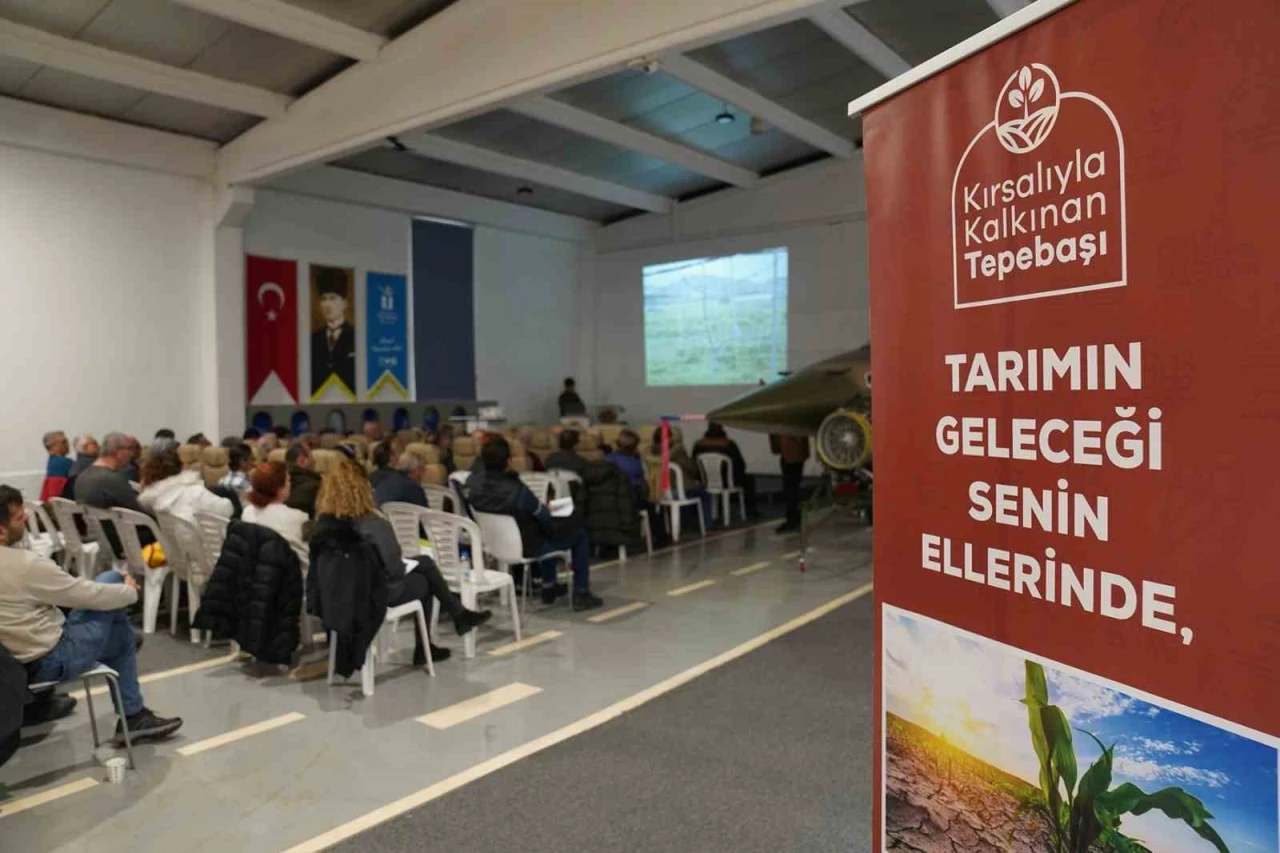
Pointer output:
x,y
693,587
14,806
618,611
240,734
525,643
439,789
150,677
478,706
754,567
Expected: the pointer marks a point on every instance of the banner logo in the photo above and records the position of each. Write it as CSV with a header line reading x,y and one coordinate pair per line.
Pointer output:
x,y
1038,200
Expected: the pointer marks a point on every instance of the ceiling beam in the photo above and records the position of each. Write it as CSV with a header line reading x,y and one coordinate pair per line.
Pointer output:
x,y
483,49
865,44
722,88
77,57
486,160
1005,8
587,123
294,23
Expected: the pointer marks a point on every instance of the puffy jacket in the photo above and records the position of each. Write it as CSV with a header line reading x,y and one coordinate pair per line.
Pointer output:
x,y
255,593
184,495
505,494
611,514
347,588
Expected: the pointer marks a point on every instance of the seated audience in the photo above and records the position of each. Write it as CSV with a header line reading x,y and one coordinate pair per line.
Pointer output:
x,y
54,647
345,506
497,489
58,469
239,464
268,443
167,434
132,469
626,456
570,403
199,440
383,457
444,440
269,506
166,487
304,482
86,454
567,458
282,433
693,487
716,440
251,434
103,484
402,484
372,430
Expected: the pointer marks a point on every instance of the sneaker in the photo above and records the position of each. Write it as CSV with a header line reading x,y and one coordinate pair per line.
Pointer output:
x,y
584,600
469,620
145,725
439,653
551,593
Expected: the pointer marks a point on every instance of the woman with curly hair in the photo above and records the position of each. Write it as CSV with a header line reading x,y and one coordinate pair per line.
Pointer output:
x,y
344,509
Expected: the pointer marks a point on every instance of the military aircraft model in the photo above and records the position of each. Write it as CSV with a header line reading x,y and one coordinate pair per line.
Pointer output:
x,y
831,401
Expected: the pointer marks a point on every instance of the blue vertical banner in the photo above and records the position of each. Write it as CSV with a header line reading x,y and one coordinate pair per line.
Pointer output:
x,y
388,336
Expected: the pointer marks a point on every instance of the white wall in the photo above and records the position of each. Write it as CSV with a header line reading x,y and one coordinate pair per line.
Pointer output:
x,y
103,267
526,287
818,213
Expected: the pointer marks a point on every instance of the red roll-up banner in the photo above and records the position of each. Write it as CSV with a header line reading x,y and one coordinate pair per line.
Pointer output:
x,y
271,314
1076,315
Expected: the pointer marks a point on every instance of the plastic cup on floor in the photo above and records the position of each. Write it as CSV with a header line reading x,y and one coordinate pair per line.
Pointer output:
x,y
115,770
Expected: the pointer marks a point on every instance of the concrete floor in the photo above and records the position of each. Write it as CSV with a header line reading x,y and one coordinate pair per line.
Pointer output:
x,y
349,755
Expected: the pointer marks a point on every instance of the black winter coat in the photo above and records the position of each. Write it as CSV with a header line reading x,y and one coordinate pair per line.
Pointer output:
x,y
255,594
611,514
13,696
346,589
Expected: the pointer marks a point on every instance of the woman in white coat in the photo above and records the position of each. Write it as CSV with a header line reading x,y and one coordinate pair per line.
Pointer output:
x,y
168,488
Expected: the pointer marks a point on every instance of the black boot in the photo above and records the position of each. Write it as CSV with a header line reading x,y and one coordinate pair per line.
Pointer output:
x,y
469,620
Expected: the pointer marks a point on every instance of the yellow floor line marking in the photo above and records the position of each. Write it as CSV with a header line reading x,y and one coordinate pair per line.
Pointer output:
x,y
439,789
484,703
754,567
618,611
693,587
525,643
240,734
166,673
15,806
791,555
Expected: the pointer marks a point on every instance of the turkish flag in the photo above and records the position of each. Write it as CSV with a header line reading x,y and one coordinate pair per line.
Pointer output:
x,y
271,291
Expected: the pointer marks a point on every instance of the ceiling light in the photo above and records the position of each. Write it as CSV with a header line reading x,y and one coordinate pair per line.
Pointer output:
x,y
524,189
726,117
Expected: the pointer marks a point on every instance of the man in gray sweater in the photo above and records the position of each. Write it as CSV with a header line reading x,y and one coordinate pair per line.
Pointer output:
x,y
57,648
102,485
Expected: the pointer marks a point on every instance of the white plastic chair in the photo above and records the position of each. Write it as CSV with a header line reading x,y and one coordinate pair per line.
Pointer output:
x,y
380,647
443,498
213,532
540,484
505,546
78,556
406,521
94,518
191,560
112,678
459,478
42,535
717,473
127,524
446,532
562,481
674,499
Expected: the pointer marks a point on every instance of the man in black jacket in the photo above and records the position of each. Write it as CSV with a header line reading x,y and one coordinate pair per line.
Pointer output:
x,y
495,489
304,482
403,483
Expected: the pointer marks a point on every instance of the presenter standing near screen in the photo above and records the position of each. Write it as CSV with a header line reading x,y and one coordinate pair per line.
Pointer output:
x,y
571,404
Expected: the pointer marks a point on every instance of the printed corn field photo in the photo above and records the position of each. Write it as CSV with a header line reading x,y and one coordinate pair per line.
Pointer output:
x,y
988,750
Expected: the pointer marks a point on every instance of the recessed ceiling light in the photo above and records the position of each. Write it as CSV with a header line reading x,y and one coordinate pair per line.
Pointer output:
x,y
726,117
524,189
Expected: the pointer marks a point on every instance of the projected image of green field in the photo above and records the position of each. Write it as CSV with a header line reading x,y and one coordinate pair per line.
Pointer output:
x,y
716,321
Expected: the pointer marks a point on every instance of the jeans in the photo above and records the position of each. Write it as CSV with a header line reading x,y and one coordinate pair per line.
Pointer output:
x,y
579,548
90,637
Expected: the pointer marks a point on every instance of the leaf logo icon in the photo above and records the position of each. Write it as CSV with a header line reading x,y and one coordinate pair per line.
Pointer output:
x,y
1020,126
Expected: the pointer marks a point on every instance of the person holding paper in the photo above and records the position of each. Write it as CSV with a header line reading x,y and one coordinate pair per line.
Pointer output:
x,y
497,489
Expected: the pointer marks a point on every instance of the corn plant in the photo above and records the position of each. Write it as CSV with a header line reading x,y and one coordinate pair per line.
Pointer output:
x,y
1087,815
